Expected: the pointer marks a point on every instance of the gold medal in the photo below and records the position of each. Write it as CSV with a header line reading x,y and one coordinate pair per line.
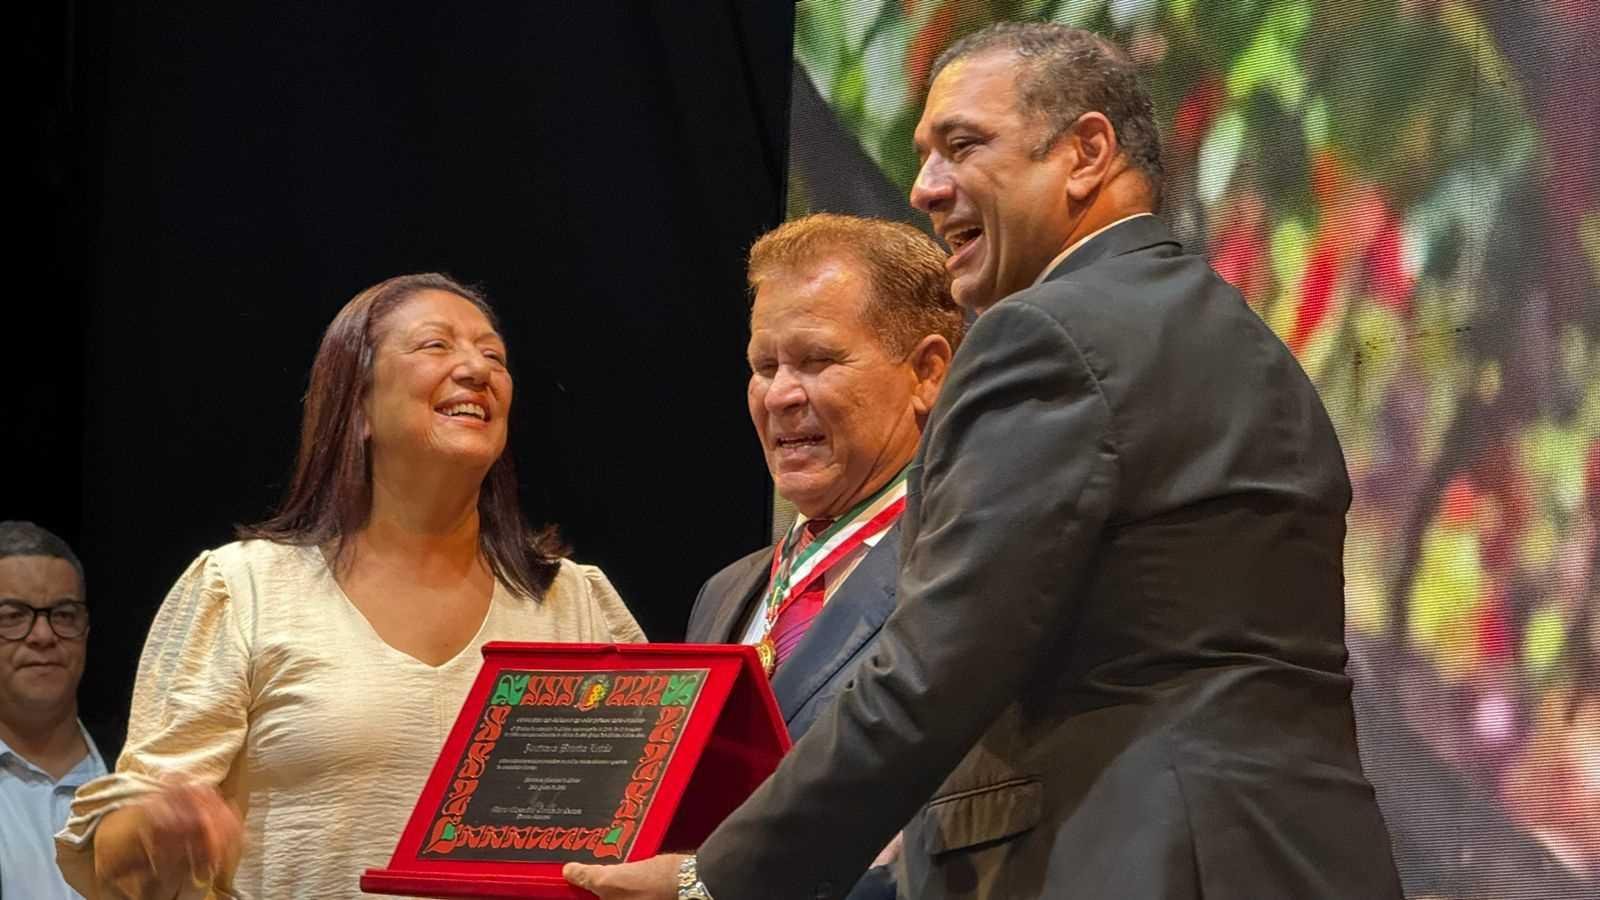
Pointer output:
x,y
768,653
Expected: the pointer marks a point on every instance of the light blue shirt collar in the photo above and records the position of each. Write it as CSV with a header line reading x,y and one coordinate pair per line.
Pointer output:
x,y
33,807
91,763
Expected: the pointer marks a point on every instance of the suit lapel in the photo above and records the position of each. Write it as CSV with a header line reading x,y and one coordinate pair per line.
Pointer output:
x,y
852,617
746,586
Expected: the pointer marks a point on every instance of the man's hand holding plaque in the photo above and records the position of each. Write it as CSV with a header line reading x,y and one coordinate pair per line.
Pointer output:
x,y
653,879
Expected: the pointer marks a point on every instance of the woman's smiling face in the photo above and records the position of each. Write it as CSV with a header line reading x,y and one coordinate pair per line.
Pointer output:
x,y
440,387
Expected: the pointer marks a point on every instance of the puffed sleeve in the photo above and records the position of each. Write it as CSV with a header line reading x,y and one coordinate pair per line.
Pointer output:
x,y
190,711
610,608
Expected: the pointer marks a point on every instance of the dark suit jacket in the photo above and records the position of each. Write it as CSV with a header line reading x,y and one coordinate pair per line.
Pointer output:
x,y
1116,668
825,659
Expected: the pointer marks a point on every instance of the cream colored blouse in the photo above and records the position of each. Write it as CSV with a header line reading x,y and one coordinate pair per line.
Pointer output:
x,y
260,676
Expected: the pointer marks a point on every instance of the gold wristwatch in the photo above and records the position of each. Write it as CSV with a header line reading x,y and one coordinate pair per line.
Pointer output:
x,y
690,887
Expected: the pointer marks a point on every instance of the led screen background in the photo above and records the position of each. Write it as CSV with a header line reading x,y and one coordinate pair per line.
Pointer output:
x,y
1407,193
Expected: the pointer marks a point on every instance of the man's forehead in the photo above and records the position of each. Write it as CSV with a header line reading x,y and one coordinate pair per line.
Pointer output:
x,y
980,87
825,273
26,575
825,289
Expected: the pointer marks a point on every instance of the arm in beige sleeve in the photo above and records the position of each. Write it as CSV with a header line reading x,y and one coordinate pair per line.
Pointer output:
x,y
187,724
613,612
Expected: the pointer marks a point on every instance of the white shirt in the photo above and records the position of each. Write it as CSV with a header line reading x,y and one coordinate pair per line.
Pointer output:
x,y
33,807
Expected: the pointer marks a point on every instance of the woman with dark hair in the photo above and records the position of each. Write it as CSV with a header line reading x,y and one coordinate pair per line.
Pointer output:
x,y
297,684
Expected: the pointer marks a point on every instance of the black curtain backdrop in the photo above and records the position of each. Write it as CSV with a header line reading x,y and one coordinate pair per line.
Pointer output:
x,y
213,181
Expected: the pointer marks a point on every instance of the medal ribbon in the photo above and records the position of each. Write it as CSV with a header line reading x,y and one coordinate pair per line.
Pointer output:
x,y
792,573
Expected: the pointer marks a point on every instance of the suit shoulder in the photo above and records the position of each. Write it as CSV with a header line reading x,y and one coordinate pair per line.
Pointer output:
x,y
742,565
1150,285
1034,319
723,588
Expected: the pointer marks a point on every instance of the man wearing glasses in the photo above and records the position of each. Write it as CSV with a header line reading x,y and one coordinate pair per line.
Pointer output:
x,y
45,753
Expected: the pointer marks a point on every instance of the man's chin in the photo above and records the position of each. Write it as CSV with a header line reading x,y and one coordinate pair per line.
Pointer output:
x,y
47,697
804,494
973,293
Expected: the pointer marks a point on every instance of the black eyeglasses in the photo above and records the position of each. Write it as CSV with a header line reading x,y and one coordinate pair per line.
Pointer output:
x,y
68,620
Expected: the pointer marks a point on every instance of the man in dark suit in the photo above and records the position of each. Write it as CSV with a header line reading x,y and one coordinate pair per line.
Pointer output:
x,y
1117,664
825,657
852,329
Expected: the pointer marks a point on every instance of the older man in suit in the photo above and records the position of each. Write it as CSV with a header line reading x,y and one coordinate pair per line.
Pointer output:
x,y
1116,668
851,333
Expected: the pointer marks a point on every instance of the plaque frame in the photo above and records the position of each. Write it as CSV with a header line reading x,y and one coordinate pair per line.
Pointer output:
x,y
733,738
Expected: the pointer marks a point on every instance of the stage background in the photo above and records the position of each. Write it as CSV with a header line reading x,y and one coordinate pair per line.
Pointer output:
x,y
206,184
1405,190
1406,193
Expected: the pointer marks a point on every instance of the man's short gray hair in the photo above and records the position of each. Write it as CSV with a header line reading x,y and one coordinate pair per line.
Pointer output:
x,y
28,539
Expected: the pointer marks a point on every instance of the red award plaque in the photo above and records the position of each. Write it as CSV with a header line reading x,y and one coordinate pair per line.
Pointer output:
x,y
597,753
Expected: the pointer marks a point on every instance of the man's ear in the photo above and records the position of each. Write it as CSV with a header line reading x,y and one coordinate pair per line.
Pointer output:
x,y
930,362
1092,143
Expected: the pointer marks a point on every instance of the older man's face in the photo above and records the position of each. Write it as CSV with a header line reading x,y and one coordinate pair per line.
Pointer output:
x,y
39,673
1003,212
833,407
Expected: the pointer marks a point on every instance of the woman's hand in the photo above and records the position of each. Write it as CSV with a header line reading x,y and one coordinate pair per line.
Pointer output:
x,y
184,832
